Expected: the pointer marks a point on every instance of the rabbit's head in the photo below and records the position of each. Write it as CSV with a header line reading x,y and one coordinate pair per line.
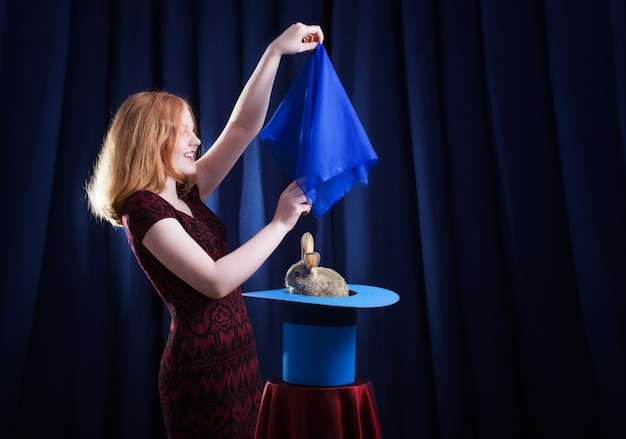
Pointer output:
x,y
307,278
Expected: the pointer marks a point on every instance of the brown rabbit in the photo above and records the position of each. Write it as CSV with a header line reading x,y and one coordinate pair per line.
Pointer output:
x,y
307,278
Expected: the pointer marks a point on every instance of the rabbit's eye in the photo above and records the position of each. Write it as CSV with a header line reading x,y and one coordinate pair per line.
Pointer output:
x,y
298,273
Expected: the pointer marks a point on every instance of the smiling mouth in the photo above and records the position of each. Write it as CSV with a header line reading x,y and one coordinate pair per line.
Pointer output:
x,y
190,155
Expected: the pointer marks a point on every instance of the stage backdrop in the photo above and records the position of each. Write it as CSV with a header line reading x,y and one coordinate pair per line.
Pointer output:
x,y
497,210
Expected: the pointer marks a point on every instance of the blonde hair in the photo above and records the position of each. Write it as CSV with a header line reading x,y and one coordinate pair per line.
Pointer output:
x,y
137,153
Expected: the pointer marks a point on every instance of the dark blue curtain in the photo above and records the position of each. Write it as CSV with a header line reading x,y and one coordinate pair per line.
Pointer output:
x,y
497,210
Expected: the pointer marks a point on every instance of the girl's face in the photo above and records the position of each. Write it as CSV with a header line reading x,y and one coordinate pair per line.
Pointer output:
x,y
183,154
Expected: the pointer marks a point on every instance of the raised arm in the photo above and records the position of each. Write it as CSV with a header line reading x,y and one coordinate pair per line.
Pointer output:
x,y
250,110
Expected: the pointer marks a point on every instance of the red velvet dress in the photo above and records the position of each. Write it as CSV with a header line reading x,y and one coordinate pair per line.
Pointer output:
x,y
209,380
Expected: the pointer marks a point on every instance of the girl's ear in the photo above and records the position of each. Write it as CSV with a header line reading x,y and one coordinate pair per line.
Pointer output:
x,y
311,260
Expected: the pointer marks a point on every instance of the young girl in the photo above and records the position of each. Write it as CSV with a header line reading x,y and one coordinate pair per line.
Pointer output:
x,y
147,180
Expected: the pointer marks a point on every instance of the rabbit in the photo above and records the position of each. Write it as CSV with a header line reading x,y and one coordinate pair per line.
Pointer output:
x,y
307,278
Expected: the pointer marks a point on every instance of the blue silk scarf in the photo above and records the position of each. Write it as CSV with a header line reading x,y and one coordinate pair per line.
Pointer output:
x,y
316,136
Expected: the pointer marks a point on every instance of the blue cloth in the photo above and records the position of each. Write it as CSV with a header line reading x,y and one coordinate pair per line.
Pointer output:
x,y
316,136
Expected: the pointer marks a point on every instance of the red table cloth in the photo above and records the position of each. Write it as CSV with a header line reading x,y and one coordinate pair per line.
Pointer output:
x,y
302,412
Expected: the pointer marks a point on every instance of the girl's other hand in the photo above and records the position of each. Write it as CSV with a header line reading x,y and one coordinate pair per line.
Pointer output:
x,y
292,204
298,38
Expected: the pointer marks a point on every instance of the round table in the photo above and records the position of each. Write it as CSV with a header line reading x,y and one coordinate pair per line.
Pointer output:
x,y
293,411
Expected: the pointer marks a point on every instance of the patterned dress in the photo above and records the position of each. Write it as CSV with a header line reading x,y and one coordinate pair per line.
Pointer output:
x,y
209,380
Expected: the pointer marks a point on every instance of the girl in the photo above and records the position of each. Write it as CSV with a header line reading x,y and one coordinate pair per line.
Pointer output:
x,y
147,180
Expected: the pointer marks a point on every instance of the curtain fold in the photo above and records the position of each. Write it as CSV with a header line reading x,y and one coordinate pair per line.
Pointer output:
x,y
496,210
25,225
589,141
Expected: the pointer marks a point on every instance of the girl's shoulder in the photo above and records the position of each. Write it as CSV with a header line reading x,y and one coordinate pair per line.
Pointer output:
x,y
142,210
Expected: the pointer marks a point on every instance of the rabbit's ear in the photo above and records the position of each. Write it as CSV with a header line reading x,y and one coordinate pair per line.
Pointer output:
x,y
311,260
307,244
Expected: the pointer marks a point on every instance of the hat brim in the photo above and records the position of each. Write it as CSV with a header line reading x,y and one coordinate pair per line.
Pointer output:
x,y
361,296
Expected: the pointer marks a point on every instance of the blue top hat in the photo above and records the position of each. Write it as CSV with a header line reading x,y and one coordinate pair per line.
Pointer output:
x,y
319,333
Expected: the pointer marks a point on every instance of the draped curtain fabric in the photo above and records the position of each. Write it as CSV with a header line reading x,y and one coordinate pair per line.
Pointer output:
x,y
497,209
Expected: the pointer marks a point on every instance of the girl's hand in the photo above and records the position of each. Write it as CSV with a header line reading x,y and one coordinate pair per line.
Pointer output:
x,y
292,204
298,38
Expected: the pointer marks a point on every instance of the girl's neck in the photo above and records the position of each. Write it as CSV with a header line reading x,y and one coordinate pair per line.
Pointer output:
x,y
170,192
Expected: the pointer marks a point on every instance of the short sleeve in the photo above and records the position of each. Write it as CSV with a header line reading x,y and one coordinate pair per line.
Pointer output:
x,y
143,210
